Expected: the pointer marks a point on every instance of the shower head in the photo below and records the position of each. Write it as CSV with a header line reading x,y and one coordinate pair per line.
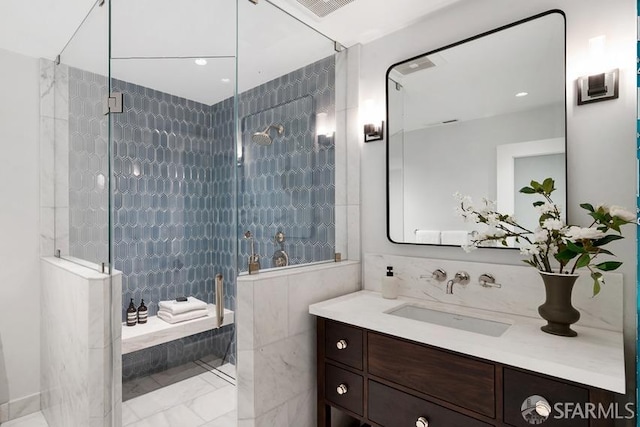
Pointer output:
x,y
263,138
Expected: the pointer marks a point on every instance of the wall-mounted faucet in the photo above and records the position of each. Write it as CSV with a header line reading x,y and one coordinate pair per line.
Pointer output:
x,y
439,275
487,280
461,277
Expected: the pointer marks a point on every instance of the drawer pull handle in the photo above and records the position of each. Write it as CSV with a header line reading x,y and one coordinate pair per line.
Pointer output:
x,y
342,389
422,422
543,408
342,344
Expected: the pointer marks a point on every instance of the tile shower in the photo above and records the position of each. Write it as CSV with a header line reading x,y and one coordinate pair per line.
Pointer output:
x,y
174,224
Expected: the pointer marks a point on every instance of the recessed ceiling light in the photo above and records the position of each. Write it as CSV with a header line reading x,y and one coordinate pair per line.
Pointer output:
x,y
226,80
521,94
201,61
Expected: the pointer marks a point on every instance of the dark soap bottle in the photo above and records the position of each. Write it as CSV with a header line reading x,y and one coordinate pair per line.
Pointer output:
x,y
132,314
142,313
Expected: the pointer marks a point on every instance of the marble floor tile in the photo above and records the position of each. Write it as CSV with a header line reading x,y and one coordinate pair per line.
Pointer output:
x,y
178,373
32,420
215,404
169,396
138,387
178,415
218,380
227,420
128,416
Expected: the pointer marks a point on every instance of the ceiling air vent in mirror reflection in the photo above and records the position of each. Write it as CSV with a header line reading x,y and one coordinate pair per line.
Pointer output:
x,y
322,8
415,65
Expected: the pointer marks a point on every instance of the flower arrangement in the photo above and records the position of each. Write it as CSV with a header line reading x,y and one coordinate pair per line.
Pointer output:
x,y
572,247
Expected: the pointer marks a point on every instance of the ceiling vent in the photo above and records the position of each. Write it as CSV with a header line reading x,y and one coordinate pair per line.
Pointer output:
x,y
322,8
416,65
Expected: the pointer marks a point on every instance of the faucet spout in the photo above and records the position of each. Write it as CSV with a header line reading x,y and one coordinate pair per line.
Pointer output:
x,y
449,289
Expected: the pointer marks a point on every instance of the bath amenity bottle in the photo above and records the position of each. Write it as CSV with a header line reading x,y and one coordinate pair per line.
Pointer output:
x,y
132,314
390,285
142,313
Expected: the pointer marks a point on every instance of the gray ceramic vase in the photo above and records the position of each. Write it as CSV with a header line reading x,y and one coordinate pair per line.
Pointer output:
x,y
557,309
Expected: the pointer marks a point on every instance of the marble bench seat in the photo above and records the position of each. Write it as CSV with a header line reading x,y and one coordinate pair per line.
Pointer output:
x,y
157,331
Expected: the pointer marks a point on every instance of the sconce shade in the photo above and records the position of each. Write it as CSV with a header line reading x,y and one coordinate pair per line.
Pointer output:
x,y
373,132
598,87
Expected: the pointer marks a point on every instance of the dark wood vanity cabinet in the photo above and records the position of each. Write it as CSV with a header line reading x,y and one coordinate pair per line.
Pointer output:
x,y
391,382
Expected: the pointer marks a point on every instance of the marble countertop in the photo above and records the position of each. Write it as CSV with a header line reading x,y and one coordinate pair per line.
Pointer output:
x,y
595,357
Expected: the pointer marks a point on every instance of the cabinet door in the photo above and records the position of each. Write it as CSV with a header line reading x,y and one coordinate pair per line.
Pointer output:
x,y
344,389
523,390
343,343
390,408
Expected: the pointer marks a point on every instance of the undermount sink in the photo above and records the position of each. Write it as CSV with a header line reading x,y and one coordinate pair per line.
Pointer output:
x,y
491,328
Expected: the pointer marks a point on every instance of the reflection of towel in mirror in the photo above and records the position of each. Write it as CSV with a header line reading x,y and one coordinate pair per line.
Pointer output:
x,y
178,307
428,236
175,318
454,237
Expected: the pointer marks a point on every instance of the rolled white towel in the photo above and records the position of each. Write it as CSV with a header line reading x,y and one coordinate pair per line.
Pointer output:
x,y
428,236
175,318
454,237
179,307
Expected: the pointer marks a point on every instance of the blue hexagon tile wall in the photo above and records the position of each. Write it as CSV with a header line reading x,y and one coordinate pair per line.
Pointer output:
x,y
174,168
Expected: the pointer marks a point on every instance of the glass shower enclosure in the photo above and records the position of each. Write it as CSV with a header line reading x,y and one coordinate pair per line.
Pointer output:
x,y
192,137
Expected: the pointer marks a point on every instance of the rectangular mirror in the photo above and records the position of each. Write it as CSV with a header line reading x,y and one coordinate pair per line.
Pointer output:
x,y
482,117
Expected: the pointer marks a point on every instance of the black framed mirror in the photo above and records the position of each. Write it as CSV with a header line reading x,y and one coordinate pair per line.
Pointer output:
x,y
482,117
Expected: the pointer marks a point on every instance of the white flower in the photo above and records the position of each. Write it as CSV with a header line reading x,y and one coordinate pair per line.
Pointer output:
x,y
575,233
622,213
548,208
552,224
471,217
529,249
489,204
602,206
540,235
492,233
465,200
493,219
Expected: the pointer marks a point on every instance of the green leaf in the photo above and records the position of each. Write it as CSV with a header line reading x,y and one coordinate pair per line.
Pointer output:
x,y
583,261
608,265
604,251
596,282
547,185
577,248
528,190
565,255
538,203
587,206
607,239
535,185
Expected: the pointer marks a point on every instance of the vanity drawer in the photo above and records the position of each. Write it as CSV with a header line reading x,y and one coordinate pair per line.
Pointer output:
x,y
519,386
390,407
465,382
343,343
351,396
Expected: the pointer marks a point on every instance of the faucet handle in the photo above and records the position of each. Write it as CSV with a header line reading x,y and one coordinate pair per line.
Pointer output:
x,y
462,277
438,274
488,281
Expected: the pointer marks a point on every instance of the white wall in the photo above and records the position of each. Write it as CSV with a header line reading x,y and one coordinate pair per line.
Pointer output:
x,y
601,136
19,228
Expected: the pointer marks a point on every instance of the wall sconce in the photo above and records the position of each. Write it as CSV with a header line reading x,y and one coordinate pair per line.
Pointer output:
x,y
598,87
373,132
